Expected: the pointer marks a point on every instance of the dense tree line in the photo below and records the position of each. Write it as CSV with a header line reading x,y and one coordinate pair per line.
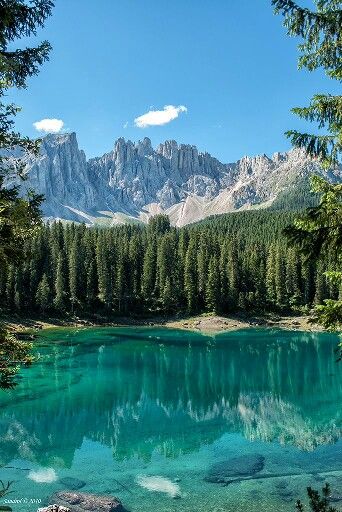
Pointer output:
x,y
233,262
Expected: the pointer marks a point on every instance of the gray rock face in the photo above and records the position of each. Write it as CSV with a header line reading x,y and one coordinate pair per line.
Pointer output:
x,y
244,466
135,180
83,502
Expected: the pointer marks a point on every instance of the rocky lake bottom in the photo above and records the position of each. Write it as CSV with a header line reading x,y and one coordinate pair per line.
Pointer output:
x,y
169,420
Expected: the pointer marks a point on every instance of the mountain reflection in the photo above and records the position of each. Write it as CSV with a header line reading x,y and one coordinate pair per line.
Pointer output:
x,y
171,391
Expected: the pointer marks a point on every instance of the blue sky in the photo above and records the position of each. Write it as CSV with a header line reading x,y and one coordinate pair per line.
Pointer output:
x,y
228,62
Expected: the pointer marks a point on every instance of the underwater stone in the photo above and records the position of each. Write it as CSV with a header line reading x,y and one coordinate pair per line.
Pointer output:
x,y
335,497
72,483
54,508
244,466
84,502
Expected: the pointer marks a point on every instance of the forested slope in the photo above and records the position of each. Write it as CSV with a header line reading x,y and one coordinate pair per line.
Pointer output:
x,y
232,262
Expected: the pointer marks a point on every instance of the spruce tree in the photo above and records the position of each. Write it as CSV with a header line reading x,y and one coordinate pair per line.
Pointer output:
x,y
212,293
320,31
292,277
168,297
190,276
148,279
43,294
233,276
19,217
60,284
270,276
18,291
202,268
74,284
280,279
159,224
91,283
121,291
103,269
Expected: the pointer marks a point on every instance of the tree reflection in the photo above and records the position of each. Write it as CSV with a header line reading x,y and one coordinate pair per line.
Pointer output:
x,y
172,393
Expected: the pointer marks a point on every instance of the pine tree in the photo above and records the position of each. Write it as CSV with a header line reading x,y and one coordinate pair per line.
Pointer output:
x,y
60,284
212,294
159,225
74,264
321,48
148,280
19,217
308,282
168,297
165,261
233,277
121,291
224,285
103,269
270,276
91,283
292,284
280,279
43,294
18,291
135,264
190,276
202,269
10,286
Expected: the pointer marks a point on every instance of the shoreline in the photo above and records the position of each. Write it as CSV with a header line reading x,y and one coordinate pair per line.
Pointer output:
x,y
205,323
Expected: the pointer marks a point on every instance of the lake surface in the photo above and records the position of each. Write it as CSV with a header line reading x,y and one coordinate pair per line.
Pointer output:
x,y
151,415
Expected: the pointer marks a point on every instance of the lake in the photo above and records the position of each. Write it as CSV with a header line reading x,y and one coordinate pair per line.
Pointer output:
x,y
172,420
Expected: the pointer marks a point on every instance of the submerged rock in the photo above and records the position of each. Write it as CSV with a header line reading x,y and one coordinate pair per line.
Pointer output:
x,y
54,508
287,495
159,484
72,483
335,496
281,484
84,502
244,466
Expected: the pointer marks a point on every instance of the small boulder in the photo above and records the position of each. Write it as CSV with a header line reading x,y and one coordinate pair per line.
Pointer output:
x,y
72,483
84,502
244,466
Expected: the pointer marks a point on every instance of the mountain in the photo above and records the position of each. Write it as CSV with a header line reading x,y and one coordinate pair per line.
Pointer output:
x,y
134,181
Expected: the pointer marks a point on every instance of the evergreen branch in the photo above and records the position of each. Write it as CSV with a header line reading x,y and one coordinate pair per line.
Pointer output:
x,y
321,31
17,19
324,109
16,66
305,23
325,147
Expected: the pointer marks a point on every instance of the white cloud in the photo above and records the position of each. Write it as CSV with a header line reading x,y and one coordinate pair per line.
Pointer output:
x,y
159,117
49,125
126,125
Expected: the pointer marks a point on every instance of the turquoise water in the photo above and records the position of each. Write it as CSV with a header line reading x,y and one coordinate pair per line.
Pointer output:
x,y
144,413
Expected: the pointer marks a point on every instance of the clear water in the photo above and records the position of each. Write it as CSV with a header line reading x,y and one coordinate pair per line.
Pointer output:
x,y
119,407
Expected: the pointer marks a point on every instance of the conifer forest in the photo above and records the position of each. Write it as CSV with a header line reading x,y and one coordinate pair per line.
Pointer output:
x,y
235,262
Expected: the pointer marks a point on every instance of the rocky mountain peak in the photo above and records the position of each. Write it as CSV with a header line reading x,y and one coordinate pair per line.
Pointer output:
x,y
134,180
